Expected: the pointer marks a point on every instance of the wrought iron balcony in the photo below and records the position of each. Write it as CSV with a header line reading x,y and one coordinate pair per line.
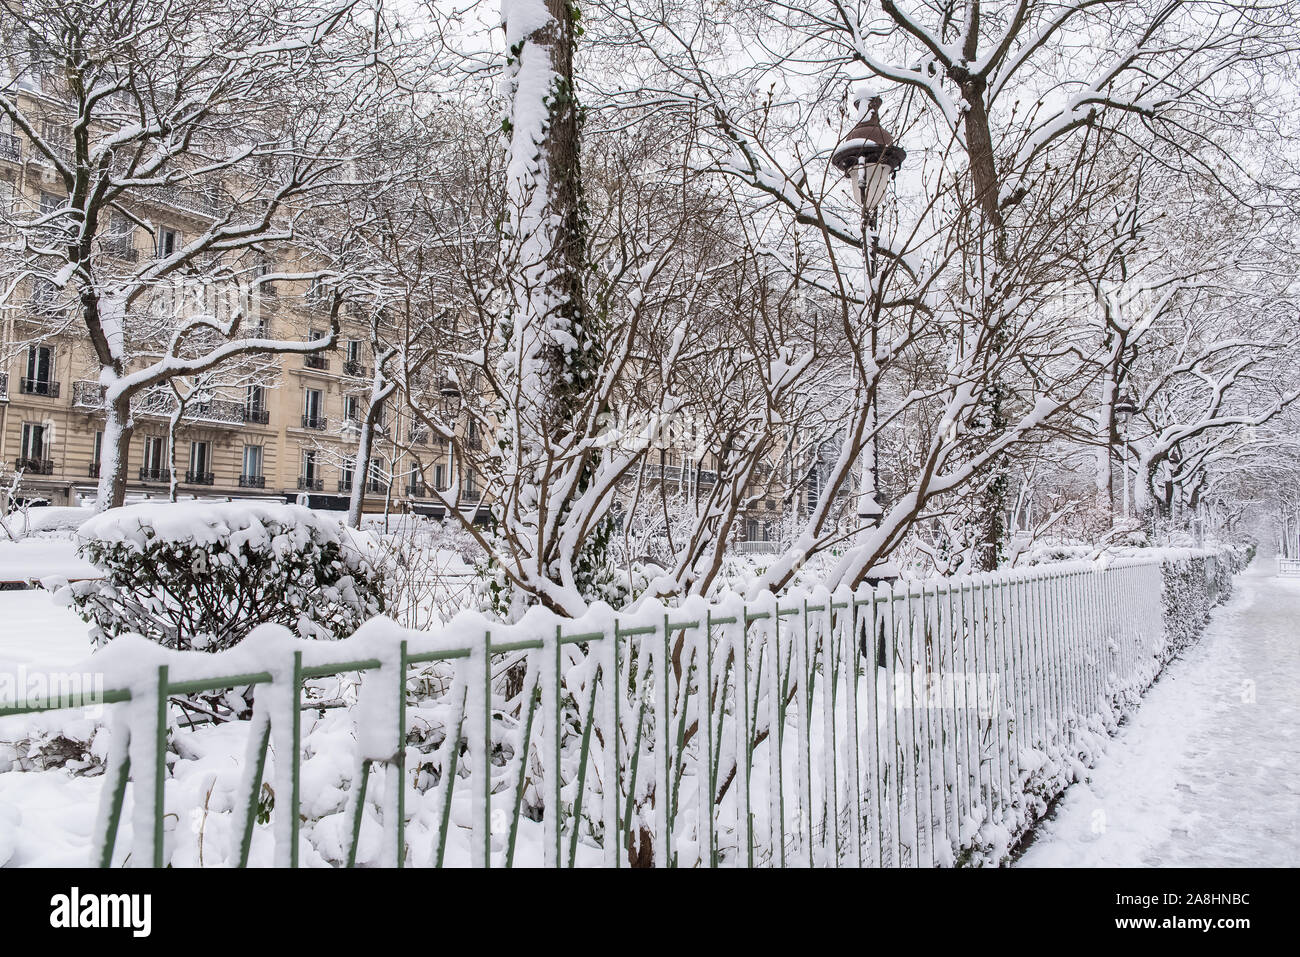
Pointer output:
x,y
36,466
252,481
93,470
310,484
45,387
88,394
199,478
345,485
317,422
161,402
315,361
10,147
155,475
225,411
417,490
205,201
377,486
4,384
355,369
257,416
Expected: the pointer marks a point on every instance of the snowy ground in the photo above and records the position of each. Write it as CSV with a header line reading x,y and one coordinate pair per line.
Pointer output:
x,y
1207,773
33,558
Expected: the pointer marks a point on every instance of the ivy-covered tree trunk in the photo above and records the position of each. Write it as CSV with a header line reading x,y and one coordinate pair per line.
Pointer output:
x,y
554,349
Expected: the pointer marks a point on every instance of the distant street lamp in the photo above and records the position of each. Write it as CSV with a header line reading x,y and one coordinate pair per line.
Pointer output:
x,y
1125,409
869,158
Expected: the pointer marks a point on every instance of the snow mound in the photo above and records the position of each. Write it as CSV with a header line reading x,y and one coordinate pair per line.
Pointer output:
x,y
46,522
207,523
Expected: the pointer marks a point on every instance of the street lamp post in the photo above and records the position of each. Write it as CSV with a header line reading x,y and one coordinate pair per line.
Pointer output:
x,y
1124,410
869,158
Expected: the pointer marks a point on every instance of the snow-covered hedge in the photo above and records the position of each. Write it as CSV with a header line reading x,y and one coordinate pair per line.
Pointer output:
x,y
201,576
1195,580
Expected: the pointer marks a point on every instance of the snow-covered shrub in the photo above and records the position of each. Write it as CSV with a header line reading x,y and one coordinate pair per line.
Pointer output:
x,y
1195,580
197,575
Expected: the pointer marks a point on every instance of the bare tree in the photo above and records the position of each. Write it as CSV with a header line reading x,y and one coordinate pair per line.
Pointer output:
x,y
239,115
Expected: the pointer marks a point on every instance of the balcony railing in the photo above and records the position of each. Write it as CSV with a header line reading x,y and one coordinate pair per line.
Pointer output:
x,y
10,147
180,197
36,466
199,478
4,384
310,484
417,490
318,362
345,485
88,394
257,416
45,387
377,486
252,481
215,410
317,422
355,369
155,475
418,435
93,470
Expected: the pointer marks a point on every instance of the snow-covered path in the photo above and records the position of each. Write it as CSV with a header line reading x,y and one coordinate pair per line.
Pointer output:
x,y
1208,771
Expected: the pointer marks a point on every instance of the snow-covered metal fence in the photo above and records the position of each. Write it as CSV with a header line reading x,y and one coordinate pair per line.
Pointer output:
x,y
915,724
1288,567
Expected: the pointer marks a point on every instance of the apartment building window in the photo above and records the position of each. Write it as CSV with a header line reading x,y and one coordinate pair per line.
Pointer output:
x,y
35,453
200,472
352,365
119,242
345,476
317,293
315,360
262,269
310,479
57,134
440,477
39,379
377,481
352,408
252,476
155,468
97,454
45,296
313,409
169,241
10,149
255,409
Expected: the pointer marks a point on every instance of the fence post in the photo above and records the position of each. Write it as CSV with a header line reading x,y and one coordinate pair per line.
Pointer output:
x,y
295,755
160,767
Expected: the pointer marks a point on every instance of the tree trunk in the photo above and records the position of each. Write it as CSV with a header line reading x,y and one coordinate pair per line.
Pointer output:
x,y
116,455
361,469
